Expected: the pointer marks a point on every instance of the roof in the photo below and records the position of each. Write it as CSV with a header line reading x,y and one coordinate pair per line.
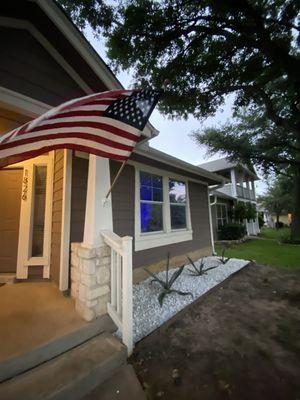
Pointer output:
x,y
216,192
223,164
58,30
159,156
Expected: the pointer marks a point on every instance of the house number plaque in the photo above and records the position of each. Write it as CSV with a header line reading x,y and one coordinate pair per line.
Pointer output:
x,y
25,185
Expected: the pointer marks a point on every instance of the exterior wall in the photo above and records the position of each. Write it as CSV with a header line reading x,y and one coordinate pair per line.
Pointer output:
x,y
56,215
123,203
26,67
80,168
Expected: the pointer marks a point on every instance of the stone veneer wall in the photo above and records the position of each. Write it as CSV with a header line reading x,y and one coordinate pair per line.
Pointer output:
x,y
90,280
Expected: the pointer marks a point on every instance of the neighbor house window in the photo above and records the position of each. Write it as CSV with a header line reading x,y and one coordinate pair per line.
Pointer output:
x,y
177,197
151,197
221,215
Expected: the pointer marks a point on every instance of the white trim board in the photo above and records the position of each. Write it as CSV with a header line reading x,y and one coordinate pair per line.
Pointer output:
x,y
65,222
144,241
159,171
22,104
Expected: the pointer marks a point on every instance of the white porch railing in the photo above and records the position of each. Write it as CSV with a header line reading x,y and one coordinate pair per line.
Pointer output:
x,y
120,306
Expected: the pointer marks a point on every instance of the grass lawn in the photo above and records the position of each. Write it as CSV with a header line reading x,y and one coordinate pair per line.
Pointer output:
x,y
268,251
278,234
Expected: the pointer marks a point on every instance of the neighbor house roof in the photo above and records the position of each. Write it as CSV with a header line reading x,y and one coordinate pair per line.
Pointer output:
x,y
217,193
223,164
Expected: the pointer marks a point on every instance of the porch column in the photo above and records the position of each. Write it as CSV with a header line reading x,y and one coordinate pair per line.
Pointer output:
x,y
98,212
233,182
248,188
91,260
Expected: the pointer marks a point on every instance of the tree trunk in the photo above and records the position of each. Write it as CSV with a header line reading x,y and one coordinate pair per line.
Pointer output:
x,y
277,221
295,231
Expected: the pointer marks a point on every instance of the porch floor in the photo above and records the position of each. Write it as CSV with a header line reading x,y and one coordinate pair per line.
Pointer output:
x,y
32,314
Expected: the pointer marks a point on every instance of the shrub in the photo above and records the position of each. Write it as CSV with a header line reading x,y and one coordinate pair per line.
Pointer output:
x,y
250,211
279,225
239,211
199,271
261,221
232,231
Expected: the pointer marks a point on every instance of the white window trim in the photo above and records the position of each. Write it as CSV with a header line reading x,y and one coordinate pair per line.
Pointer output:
x,y
150,240
221,204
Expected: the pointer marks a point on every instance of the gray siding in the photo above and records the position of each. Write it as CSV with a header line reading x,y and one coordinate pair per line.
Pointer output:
x,y
123,218
26,67
56,214
80,168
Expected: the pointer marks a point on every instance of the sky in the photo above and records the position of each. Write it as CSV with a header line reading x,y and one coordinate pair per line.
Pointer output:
x,y
174,135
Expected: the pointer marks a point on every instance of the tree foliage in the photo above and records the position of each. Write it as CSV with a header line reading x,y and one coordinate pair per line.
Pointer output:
x,y
209,49
279,197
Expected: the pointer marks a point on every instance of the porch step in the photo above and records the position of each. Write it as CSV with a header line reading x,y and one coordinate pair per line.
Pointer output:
x,y
123,385
71,375
21,363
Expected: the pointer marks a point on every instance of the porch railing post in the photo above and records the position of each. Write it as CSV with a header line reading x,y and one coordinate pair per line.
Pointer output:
x,y
127,311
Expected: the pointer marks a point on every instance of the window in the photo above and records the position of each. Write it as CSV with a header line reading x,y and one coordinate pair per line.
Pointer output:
x,y
221,215
177,197
151,198
162,213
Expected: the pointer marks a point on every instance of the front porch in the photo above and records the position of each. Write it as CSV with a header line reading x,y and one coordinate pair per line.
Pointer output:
x,y
38,323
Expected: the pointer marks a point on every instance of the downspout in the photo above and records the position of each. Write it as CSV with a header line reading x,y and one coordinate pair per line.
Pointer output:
x,y
210,224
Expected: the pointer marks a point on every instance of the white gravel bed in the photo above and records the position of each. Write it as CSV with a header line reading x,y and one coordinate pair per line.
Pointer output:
x,y
148,315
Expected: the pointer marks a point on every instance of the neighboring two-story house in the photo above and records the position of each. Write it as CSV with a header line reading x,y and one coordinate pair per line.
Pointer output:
x,y
240,187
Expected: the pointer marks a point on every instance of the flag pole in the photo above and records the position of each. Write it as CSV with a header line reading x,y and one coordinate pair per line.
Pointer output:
x,y
115,179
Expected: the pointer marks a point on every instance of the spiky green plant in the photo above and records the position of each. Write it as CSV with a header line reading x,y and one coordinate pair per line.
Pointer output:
x,y
224,259
168,283
199,271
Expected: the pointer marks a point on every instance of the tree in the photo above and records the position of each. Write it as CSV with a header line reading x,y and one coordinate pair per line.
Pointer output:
x,y
278,198
209,49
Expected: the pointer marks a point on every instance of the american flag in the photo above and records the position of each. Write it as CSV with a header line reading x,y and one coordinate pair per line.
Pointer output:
x,y
107,124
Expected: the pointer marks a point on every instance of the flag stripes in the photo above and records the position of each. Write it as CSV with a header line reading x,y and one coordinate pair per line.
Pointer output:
x,y
94,124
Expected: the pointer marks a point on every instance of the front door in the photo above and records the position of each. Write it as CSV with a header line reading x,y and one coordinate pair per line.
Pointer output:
x,y
10,204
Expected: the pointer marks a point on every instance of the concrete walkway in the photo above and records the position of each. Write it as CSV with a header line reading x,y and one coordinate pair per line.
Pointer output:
x,y
32,314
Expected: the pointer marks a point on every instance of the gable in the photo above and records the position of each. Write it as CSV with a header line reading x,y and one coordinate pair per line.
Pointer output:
x,y
26,67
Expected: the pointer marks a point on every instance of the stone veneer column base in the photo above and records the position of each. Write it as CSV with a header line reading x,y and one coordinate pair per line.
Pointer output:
x,y
90,280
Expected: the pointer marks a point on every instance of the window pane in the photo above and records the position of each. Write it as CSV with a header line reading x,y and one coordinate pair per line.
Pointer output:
x,y
177,191
151,187
178,217
220,223
151,217
146,193
39,211
145,179
157,194
157,181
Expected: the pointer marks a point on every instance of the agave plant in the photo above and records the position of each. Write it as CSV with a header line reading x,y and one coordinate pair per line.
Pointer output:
x,y
198,271
223,259
168,283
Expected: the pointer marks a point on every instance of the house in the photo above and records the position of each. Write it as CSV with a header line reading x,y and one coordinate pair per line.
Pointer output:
x,y
240,186
55,223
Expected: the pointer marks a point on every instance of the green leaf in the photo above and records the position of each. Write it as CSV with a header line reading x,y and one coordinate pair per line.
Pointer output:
x,y
193,264
175,275
155,278
161,297
182,293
